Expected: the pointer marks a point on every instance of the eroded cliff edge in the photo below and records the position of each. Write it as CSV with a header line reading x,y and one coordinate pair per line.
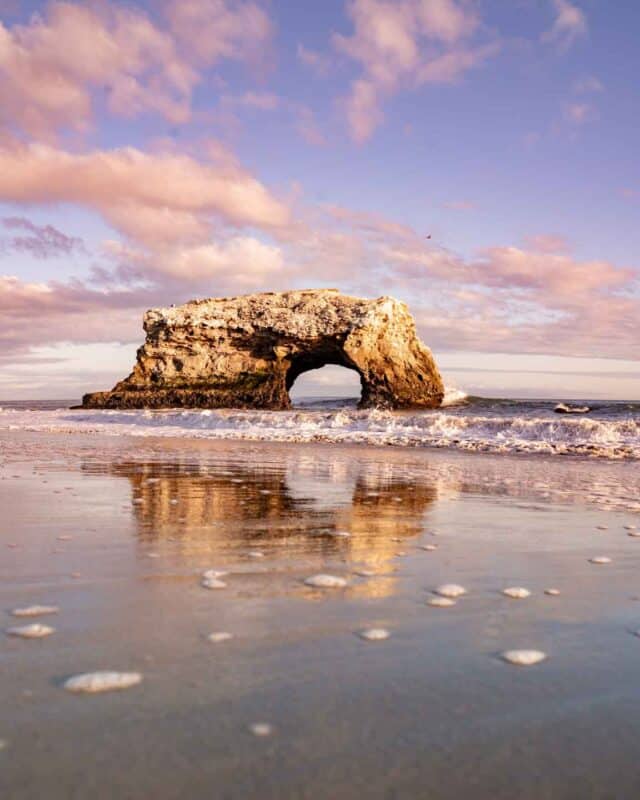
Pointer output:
x,y
246,352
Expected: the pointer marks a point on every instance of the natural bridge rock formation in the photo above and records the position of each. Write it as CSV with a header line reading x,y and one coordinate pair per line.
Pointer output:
x,y
246,352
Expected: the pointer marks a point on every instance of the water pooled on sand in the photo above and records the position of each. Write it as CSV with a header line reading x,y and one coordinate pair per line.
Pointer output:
x,y
33,631
104,681
34,611
374,634
325,581
451,590
523,658
516,592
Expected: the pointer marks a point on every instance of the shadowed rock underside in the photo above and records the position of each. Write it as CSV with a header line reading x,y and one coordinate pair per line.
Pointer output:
x,y
246,352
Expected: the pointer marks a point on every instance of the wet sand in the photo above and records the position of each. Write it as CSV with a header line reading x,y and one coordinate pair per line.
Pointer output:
x,y
117,532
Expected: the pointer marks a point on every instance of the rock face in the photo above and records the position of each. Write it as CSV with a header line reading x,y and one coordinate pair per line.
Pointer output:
x,y
246,352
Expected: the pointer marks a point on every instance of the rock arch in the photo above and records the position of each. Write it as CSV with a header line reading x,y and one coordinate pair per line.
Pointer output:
x,y
246,352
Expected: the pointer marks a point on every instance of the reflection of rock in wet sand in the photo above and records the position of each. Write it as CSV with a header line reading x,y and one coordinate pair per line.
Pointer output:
x,y
236,505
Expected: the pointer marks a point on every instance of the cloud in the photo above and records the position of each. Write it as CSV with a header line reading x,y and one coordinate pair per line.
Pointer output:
x,y
405,44
588,85
212,30
580,113
39,241
53,68
569,25
316,61
459,205
241,263
150,197
35,314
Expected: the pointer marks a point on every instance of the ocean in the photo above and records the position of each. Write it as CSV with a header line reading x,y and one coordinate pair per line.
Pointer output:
x,y
608,430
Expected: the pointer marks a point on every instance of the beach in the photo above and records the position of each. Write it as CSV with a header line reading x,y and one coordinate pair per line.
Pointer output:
x,y
117,531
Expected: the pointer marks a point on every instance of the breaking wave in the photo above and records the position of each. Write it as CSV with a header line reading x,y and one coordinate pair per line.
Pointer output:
x,y
465,423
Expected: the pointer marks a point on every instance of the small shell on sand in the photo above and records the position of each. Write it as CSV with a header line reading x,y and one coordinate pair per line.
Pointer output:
x,y
211,574
602,527
93,682
34,611
450,590
441,602
516,592
374,634
630,527
255,554
261,729
219,636
212,583
634,533
326,582
365,573
33,631
600,560
429,547
552,592
523,658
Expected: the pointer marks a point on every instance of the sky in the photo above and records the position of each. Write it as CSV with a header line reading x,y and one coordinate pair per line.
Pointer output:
x,y
476,159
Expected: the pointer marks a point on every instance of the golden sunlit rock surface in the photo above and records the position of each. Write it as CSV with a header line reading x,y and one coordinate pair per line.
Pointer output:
x,y
246,352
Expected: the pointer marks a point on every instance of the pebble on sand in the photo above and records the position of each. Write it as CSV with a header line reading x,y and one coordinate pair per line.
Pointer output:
x,y
93,682
374,634
326,582
429,547
602,527
516,592
261,729
523,658
255,554
600,560
552,592
33,631
441,602
632,532
450,590
34,611
365,573
219,636
630,527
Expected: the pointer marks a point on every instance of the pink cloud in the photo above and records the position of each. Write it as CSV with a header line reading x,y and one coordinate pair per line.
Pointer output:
x,y
405,44
459,205
51,67
316,61
151,197
570,24
580,113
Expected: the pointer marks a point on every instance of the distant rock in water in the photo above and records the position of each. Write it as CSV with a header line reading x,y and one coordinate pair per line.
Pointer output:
x,y
246,352
564,408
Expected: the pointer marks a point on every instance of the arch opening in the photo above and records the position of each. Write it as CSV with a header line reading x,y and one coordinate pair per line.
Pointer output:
x,y
325,383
